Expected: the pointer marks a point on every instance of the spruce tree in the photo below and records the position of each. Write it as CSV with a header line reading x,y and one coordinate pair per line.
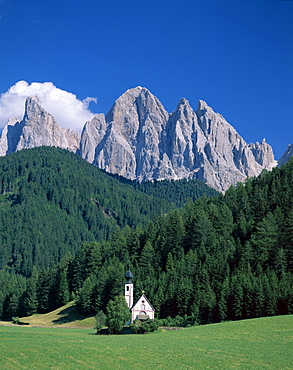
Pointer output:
x,y
30,301
118,314
63,294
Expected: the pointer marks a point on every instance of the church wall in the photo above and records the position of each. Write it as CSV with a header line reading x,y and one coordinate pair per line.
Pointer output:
x,y
141,307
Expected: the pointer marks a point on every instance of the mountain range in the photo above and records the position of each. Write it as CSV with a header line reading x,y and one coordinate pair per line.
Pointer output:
x,y
139,140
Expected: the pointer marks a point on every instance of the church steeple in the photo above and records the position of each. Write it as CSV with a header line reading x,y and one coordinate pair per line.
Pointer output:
x,y
128,290
128,276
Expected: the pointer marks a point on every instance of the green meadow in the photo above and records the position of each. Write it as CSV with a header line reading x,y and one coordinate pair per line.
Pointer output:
x,y
265,343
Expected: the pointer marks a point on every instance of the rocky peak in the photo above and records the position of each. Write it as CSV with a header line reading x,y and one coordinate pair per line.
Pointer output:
x,y
143,141
37,128
135,126
203,106
183,107
263,154
33,109
135,107
140,140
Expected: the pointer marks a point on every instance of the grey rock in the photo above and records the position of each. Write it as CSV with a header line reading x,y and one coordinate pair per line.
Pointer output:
x,y
286,156
140,140
93,132
10,136
37,128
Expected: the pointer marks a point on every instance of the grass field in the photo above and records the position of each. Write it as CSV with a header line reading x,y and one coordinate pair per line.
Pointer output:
x,y
265,343
66,317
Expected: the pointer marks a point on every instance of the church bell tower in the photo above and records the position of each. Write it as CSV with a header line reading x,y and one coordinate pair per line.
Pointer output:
x,y
128,290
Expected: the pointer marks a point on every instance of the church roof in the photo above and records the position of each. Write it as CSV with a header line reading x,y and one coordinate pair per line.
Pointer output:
x,y
144,297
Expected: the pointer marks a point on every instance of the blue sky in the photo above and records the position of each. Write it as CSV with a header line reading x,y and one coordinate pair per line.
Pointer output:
x,y
235,55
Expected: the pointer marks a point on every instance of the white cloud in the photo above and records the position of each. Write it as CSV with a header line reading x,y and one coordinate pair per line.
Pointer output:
x,y
86,102
64,106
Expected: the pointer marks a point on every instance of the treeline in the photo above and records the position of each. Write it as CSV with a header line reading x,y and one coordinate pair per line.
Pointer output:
x,y
175,191
223,258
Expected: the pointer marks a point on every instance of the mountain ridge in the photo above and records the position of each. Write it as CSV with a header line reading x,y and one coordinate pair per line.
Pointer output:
x,y
139,140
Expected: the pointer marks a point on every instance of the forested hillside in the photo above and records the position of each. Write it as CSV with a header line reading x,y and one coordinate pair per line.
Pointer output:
x,y
52,201
178,192
222,258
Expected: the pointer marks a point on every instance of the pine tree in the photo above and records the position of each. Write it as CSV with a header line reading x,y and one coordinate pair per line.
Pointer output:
x,y
91,258
223,300
207,305
13,307
118,314
288,239
63,294
285,296
184,296
43,288
83,299
100,319
29,300
265,241
147,259
237,296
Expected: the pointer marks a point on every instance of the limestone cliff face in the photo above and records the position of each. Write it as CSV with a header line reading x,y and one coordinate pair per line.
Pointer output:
x,y
140,140
286,156
10,136
136,124
93,133
231,158
37,128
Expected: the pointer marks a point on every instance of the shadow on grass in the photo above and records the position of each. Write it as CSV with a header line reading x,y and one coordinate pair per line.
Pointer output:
x,y
68,315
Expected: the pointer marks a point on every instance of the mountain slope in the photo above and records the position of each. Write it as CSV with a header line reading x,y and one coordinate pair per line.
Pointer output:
x,y
52,201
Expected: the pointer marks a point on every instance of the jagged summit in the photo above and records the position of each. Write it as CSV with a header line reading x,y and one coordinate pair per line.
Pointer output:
x,y
33,109
202,105
143,141
37,128
140,140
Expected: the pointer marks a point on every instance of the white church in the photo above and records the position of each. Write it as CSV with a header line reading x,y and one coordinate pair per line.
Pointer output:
x,y
142,309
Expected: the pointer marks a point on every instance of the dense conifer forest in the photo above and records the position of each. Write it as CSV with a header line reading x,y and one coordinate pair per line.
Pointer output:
x,y
223,258
217,258
175,191
52,202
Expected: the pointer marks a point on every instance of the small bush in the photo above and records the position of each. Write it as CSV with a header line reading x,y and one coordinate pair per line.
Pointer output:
x,y
179,321
15,320
100,320
143,327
